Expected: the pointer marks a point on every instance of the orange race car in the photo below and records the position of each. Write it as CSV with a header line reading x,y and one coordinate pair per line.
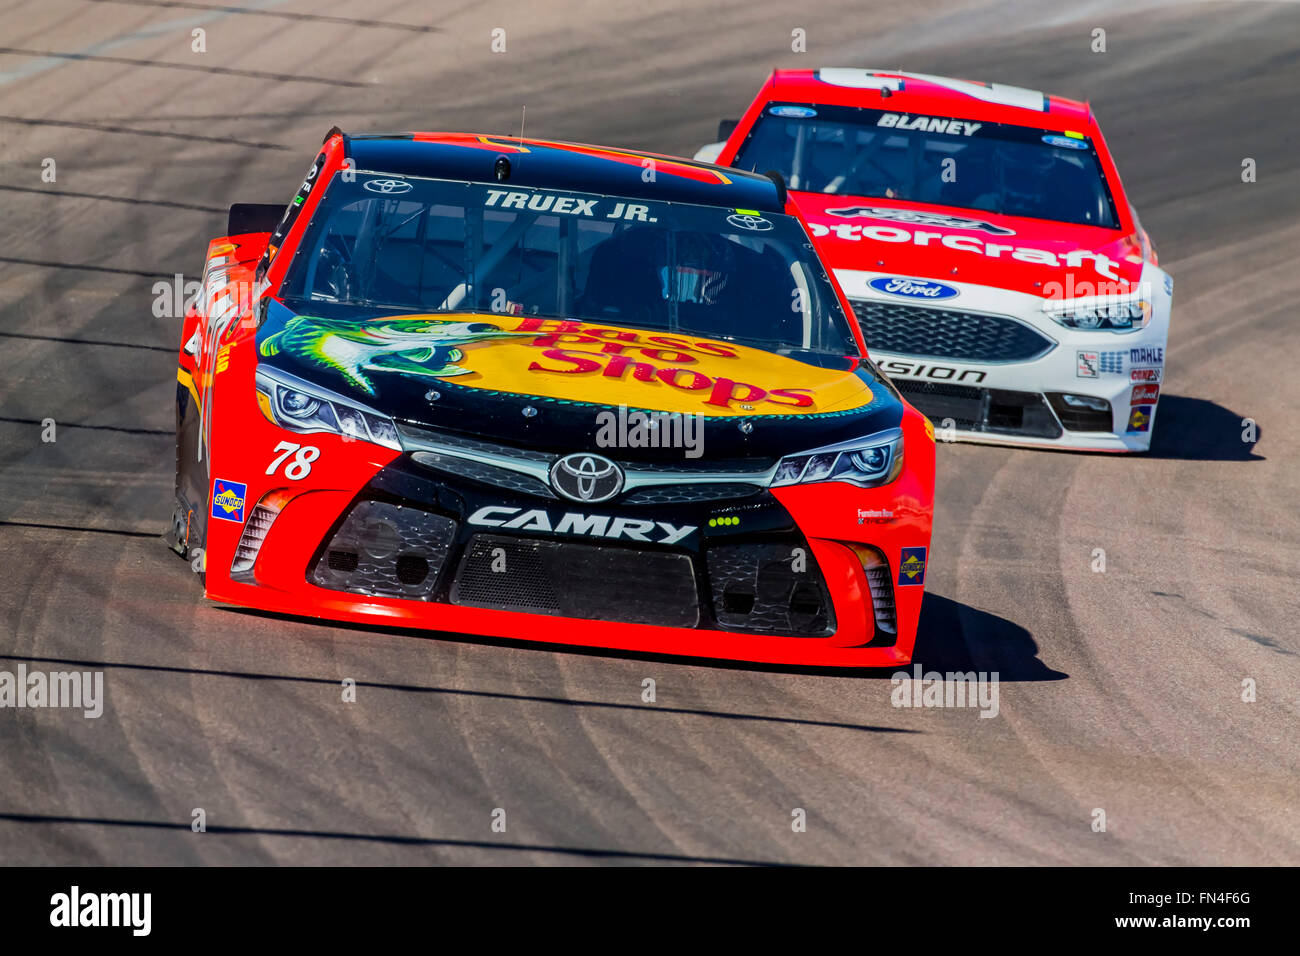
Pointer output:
x,y
525,389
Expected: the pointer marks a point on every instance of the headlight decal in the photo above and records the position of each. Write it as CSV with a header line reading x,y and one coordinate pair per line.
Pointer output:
x,y
300,406
867,462
1101,313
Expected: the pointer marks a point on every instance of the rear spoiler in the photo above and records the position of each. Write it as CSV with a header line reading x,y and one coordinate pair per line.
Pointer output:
x,y
246,217
253,217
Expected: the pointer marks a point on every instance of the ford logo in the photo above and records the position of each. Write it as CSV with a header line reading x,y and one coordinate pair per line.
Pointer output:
x,y
794,112
912,288
585,477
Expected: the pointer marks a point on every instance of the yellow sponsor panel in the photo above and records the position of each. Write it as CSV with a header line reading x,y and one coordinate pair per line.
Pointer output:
x,y
569,360
672,372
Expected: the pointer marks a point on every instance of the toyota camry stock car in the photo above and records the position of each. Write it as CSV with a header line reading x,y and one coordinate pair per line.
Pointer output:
x,y
551,392
998,272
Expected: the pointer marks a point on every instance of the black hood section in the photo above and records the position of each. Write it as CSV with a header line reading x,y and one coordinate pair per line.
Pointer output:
x,y
410,394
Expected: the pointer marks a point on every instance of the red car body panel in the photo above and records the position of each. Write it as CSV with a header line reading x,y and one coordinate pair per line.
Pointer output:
x,y
931,98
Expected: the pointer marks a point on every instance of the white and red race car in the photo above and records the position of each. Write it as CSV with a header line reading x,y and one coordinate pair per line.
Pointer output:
x,y
997,269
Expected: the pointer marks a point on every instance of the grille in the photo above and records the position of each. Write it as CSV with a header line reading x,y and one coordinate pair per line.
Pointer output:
x,y
992,410
595,582
259,524
740,467
948,334
769,588
418,437
882,600
687,493
388,549
1078,419
485,473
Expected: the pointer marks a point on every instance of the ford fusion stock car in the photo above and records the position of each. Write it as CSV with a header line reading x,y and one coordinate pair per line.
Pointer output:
x,y
547,392
999,274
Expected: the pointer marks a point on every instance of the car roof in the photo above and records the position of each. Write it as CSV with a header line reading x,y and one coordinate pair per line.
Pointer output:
x,y
925,93
578,167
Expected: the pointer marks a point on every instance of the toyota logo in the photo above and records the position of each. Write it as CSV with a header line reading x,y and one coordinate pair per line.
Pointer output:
x,y
749,222
584,477
388,187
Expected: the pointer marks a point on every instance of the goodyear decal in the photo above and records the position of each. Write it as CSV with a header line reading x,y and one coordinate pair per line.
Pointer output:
x,y
228,500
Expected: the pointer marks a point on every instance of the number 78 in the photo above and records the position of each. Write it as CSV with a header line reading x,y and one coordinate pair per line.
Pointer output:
x,y
300,467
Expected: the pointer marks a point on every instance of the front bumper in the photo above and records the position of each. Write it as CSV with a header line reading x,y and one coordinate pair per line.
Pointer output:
x,y
405,545
1042,392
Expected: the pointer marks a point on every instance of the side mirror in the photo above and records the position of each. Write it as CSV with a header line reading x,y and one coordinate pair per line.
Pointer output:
x,y
709,152
726,128
782,193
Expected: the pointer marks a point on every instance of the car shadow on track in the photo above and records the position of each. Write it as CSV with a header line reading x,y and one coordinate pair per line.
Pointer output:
x,y
955,637
183,828
951,636
1196,429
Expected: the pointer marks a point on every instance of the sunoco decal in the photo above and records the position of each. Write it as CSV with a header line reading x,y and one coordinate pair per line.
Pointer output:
x,y
1139,419
228,500
911,566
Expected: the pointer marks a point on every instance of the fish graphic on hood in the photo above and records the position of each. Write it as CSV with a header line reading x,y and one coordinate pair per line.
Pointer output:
x,y
420,346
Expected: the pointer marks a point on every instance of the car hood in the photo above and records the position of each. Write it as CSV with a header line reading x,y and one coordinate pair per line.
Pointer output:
x,y
1049,259
560,385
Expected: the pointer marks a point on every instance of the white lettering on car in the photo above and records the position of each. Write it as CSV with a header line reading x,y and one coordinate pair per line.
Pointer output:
x,y
596,526
1101,263
928,124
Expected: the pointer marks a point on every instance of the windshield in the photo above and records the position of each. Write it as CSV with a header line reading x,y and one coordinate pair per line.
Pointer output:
x,y
1012,170
428,246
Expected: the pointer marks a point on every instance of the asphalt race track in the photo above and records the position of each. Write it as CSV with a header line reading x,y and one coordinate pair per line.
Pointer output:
x,y
1121,690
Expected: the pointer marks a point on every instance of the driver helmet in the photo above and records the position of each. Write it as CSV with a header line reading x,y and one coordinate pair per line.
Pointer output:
x,y
702,266
1023,174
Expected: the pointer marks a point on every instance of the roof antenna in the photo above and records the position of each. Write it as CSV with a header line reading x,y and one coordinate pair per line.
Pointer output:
x,y
501,168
